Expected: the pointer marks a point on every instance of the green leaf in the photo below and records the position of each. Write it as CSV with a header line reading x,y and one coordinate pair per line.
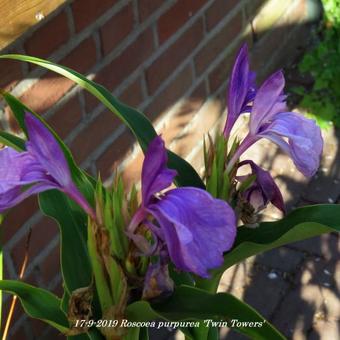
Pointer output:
x,y
19,109
92,334
102,286
187,302
38,303
143,333
70,217
72,223
247,183
300,224
135,120
12,141
133,333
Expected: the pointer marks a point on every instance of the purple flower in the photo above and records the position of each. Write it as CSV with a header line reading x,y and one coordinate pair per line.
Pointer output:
x,y
263,190
241,90
41,167
194,227
296,135
157,281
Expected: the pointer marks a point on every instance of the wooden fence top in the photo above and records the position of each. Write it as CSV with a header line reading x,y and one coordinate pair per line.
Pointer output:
x,y
16,16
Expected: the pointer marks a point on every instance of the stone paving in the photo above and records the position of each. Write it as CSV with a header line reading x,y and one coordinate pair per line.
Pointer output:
x,y
297,286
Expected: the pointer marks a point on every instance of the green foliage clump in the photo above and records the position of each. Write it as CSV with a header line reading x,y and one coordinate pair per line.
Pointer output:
x,y
322,101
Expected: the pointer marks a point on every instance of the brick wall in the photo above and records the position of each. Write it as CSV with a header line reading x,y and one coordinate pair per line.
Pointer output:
x,y
164,56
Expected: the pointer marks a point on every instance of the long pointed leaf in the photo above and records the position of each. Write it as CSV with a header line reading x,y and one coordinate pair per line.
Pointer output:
x,y
75,263
70,217
38,303
135,120
12,141
300,224
186,304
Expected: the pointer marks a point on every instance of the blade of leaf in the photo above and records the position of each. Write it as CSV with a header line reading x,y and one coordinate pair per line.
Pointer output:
x,y
302,223
135,120
12,141
38,303
186,304
70,218
143,333
84,182
73,234
92,334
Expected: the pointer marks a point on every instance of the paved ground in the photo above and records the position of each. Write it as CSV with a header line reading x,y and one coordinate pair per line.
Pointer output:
x,y
296,287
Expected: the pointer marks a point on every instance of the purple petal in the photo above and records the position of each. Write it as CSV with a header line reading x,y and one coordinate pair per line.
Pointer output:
x,y
43,165
14,196
155,174
255,196
46,150
18,169
12,166
240,81
264,189
269,100
197,228
157,282
305,142
73,192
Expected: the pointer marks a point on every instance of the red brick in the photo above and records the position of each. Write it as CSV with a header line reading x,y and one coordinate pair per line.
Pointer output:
x,y
177,16
217,11
86,12
66,118
147,7
19,333
132,173
107,163
133,94
221,72
200,91
16,217
52,333
291,22
252,7
46,92
50,88
18,312
50,267
13,124
10,73
5,310
58,289
171,94
218,43
173,56
48,37
93,135
205,119
38,326
90,101
264,48
46,227
116,29
180,119
82,57
121,67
